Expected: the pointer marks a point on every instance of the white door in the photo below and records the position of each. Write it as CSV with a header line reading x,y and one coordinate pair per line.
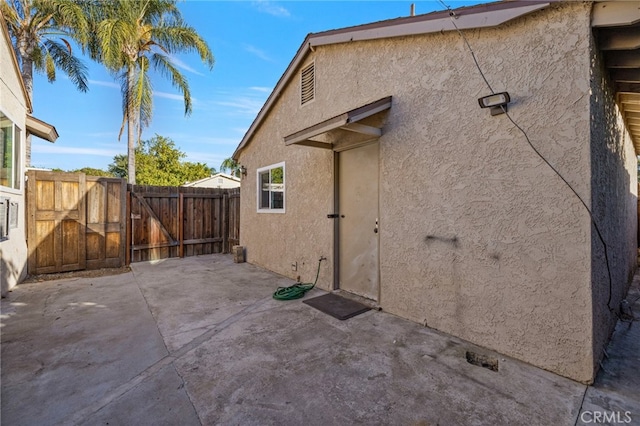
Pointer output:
x,y
358,220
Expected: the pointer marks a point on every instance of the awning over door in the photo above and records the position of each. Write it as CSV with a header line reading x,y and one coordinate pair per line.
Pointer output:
x,y
318,135
41,129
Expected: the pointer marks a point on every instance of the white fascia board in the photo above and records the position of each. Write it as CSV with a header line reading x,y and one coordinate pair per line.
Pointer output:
x,y
491,18
615,13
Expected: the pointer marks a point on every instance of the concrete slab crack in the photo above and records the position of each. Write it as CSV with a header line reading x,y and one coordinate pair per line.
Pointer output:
x,y
80,416
584,395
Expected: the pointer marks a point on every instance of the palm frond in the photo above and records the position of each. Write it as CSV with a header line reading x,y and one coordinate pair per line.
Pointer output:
x,y
165,67
68,63
182,38
50,67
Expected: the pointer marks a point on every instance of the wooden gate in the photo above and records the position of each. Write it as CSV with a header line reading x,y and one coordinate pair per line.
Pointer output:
x,y
56,222
74,222
169,222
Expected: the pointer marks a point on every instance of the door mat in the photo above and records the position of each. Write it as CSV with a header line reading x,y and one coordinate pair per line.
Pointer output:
x,y
336,306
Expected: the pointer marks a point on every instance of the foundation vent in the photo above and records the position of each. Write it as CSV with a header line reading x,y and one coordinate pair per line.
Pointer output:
x,y
307,84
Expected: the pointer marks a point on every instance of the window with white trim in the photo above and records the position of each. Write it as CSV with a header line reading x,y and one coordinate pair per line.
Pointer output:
x,y
9,153
271,189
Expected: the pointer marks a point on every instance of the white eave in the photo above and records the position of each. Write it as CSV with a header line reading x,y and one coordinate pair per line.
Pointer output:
x,y
480,16
41,129
617,25
465,18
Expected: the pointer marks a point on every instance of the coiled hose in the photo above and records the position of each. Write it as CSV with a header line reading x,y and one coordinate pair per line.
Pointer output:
x,y
297,290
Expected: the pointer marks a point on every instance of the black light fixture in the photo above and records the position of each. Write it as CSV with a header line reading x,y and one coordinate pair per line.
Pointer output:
x,y
243,170
496,101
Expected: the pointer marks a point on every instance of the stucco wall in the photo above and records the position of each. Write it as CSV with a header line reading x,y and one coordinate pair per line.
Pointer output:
x,y
13,263
614,197
478,237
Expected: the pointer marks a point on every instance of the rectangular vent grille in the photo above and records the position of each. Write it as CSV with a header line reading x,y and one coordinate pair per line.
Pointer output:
x,y
4,218
307,84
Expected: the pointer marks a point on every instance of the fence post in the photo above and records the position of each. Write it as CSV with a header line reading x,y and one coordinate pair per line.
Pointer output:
x,y
181,223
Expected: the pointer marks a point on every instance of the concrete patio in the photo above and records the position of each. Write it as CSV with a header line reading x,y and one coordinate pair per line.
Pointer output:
x,y
200,341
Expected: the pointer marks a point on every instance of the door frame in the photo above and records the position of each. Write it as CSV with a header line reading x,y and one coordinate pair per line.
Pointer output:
x,y
336,210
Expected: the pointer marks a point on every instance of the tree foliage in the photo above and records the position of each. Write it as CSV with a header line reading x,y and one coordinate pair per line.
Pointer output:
x,y
92,171
129,39
37,29
231,166
160,162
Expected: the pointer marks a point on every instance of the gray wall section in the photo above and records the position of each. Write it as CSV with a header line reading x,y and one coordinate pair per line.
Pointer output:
x,y
478,237
614,205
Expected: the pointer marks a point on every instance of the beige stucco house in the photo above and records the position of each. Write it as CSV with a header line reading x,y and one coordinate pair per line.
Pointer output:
x,y
218,180
15,122
372,150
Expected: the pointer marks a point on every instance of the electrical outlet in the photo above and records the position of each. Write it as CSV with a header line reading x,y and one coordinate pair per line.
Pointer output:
x,y
294,266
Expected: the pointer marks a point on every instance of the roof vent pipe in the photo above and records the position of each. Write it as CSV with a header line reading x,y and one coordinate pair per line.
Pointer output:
x,y
413,10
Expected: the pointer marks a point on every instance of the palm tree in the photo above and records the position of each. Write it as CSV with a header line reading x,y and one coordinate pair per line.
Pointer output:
x,y
130,37
37,29
230,165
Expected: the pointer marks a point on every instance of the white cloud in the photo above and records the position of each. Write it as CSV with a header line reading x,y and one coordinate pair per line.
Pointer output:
x,y
105,83
180,64
258,52
271,8
172,96
57,149
243,104
261,89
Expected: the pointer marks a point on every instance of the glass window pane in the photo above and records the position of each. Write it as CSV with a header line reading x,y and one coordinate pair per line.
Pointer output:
x,y
17,181
277,200
6,152
264,190
277,175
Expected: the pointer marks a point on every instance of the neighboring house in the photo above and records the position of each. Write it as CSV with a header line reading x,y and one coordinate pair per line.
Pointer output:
x,y
219,180
436,209
15,122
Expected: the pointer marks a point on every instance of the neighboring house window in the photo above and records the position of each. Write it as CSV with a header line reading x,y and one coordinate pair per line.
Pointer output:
x,y
307,84
9,153
271,184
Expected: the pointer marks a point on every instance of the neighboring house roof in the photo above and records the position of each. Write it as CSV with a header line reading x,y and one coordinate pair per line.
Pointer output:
x,y
615,19
217,175
35,126
480,16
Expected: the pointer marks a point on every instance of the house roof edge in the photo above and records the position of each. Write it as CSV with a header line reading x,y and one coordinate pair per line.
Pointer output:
x,y
478,16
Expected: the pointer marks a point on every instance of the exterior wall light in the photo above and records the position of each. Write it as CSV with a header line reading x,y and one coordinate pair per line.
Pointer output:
x,y
243,170
497,102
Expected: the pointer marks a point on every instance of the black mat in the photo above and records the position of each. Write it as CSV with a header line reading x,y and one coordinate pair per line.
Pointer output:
x,y
336,306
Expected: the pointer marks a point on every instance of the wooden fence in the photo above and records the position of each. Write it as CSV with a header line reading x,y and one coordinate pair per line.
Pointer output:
x,y
79,222
182,221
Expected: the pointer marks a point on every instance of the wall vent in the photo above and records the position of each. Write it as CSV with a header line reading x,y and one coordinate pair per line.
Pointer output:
x,y
4,218
307,84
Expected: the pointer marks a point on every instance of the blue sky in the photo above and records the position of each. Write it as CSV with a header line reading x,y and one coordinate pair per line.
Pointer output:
x,y
252,41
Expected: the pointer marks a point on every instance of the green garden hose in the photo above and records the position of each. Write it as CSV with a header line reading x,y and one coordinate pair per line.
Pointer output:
x,y
297,290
